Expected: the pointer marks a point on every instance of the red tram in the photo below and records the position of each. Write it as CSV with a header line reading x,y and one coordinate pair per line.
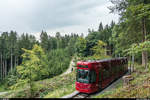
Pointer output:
x,y
93,76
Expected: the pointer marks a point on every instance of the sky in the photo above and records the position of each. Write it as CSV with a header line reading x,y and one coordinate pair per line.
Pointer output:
x,y
64,16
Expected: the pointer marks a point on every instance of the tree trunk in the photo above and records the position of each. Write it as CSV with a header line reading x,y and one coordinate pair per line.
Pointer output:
x,y
15,61
105,50
1,67
5,67
11,60
130,64
3,70
144,59
144,53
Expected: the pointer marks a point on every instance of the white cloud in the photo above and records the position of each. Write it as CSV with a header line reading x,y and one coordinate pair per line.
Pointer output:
x,y
90,19
65,16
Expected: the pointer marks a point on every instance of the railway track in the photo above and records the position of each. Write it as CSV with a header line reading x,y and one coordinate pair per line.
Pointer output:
x,y
81,95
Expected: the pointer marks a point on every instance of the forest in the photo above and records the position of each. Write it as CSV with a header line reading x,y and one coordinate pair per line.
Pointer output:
x,y
24,59
18,51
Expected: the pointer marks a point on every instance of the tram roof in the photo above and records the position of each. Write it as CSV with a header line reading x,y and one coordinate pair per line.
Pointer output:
x,y
103,60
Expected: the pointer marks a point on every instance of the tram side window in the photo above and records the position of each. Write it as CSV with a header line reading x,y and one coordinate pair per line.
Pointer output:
x,y
100,77
126,64
113,69
117,69
106,73
93,76
122,66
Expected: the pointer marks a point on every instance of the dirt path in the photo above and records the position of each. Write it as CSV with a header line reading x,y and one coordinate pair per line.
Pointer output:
x,y
1,93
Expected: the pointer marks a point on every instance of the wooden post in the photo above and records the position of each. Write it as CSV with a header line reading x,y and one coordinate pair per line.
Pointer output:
x,y
132,62
127,79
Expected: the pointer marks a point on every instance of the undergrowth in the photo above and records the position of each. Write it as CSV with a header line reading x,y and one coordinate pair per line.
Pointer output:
x,y
48,88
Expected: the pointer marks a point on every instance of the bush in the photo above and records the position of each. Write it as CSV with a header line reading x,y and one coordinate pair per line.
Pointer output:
x,y
11,78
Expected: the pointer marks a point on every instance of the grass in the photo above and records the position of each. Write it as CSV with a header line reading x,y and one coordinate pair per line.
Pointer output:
x,y
136,89
61,91
55,87
2,88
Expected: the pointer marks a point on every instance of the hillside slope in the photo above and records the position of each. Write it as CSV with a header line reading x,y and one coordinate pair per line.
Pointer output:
x,y
49,88
62,83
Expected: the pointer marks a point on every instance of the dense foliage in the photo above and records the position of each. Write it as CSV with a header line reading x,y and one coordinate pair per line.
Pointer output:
x,y
10,50
84,45
133,26
45,59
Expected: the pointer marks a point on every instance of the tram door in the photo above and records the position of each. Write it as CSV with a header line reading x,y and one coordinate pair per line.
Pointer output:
x,y
100,78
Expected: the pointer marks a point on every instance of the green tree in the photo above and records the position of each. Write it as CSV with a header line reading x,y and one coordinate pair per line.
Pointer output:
x,y
99,50
81,46
44,41
58,61
100,28
34,67
134,18
34,60
138,48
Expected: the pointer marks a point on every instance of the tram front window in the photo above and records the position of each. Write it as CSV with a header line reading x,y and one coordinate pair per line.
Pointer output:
x,y
86,76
